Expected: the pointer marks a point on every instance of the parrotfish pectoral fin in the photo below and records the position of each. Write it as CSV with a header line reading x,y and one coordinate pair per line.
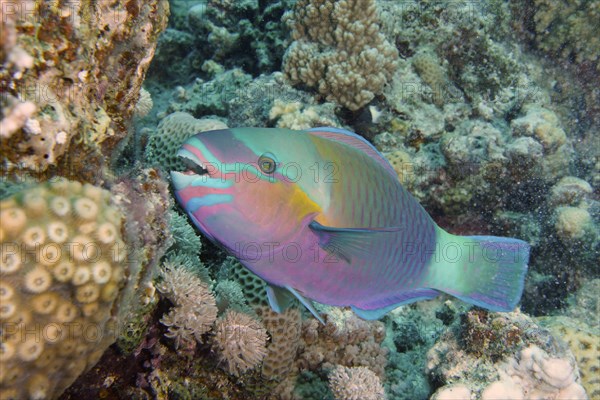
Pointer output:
x,y
279,298
348,243
490,272
401,299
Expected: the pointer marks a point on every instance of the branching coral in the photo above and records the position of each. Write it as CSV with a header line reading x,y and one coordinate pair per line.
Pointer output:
x,y
356,383
339,50
344,340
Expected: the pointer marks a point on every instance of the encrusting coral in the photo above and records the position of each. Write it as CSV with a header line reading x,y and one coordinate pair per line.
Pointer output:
x,y
71,75
338,50
62,266
585,345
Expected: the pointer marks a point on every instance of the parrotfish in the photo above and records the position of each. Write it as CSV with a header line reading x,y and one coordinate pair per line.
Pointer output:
x,y
320,215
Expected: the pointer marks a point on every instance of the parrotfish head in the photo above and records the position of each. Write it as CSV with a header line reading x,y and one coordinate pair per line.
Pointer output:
x,y
248,185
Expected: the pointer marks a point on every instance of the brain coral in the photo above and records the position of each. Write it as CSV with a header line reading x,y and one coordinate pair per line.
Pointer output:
x,y
285,330
339,50
172,131
62,265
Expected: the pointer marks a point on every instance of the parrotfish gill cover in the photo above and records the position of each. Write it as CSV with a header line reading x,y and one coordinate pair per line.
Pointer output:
x,y
321,215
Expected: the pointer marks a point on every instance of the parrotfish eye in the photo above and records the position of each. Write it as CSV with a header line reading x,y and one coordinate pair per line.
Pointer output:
x,y
267,164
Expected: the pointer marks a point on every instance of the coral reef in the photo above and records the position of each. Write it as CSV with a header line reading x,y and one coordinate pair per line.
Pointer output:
x,y
226,34
452,392
568,31
522,360
489,136
62,266
355,383
533,374
339,50
71,76
295,116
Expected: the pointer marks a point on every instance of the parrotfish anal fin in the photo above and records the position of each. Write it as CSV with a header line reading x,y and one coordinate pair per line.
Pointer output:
x,y
279,298
348,243
354,140
401,299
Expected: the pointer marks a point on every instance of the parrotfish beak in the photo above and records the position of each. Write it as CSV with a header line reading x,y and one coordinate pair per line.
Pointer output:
x,y
202,167
194,170
201,183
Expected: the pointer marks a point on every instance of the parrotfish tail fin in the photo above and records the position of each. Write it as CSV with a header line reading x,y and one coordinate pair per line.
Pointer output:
x,y
486,271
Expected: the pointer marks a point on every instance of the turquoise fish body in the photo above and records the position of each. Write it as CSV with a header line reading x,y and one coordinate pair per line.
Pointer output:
x,y
322,215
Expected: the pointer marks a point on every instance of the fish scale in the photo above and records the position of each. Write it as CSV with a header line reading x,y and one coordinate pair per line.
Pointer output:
x,y
362,241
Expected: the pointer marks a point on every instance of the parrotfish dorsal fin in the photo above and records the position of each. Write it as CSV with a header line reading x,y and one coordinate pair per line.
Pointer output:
x,y
348,243
353,140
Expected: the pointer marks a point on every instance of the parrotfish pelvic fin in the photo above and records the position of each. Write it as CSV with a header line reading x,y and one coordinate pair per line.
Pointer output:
x,y
279,300
348,243
307,303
